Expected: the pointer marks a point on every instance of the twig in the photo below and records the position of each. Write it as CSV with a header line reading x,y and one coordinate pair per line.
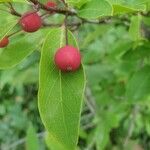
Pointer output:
x,y
4,10
13,11
14,33
57,10
64,3
66,29
43,15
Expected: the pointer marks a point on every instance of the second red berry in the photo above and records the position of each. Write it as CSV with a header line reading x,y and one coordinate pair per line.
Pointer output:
x,y
51,4
30,22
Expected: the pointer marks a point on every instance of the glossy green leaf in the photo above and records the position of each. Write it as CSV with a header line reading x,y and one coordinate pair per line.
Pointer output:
x,y
60,95
138,87
99,8
32,139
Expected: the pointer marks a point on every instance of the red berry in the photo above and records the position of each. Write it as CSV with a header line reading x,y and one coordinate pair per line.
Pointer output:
x,y
68,58
4,42
51,4
30,22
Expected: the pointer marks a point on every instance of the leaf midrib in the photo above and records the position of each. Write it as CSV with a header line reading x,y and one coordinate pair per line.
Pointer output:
x,y
61,93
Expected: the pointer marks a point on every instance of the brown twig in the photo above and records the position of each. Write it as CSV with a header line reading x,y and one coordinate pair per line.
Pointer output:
x,y
84,21
13,11
123,20
56,10
66,29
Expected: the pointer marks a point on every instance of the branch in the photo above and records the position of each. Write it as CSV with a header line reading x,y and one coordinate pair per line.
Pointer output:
x,y
13,11
14,33
59,11
83,21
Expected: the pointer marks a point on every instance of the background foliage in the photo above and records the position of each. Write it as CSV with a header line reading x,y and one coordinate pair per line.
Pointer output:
x,y
115,53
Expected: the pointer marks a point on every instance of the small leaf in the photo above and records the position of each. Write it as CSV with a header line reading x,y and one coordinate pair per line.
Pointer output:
x,y
6,28
102,136
147,125
60,95
138,53
77,3
7,22
138,87
99,8
135,28
121,6
121,9
19,48
32,139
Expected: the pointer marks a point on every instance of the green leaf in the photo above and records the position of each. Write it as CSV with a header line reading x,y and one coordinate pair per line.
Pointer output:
x,y
128,6
135,28
20,47
32,139
20,1
9,23
60,95
2,1
77,3
7,27
99,8
147,125
139,53
99,31
138,87
120,9
102,136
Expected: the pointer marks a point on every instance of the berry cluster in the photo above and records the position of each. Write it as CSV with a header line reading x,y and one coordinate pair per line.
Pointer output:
x,y
67,58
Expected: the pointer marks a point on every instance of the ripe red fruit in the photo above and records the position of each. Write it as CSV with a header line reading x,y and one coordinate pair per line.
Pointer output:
x,y
51,4
4,42
30,22
68,58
